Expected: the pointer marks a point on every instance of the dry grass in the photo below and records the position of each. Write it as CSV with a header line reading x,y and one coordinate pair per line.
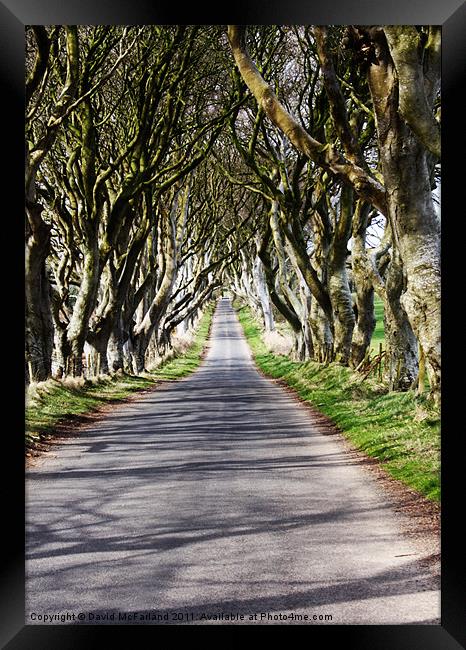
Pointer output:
x,y
277,343
37,391
180,345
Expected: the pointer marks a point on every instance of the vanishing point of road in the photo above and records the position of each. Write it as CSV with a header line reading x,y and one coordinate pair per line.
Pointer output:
x,y
216,496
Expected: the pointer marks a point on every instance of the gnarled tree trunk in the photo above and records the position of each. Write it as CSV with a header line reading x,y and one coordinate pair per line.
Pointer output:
x,y
151,320
115,346
415,225
363,287
85,302
338,285
401,343
263,295
39,325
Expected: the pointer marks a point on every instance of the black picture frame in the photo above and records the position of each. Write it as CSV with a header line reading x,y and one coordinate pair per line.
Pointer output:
x,y
451,14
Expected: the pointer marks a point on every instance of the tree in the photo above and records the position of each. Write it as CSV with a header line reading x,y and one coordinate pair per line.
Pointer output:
x,y
42,128
404,122
153,176
404,81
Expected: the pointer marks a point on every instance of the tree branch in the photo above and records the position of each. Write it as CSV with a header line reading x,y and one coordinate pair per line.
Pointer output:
x,y
322,154
403,42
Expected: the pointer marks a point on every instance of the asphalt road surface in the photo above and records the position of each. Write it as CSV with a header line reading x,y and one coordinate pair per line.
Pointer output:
x,y
216,496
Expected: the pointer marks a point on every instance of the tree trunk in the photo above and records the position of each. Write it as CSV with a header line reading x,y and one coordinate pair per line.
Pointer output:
x,y
401,343
98,351
287,311
411,211
343,313
298,352
365,321
163,342
284,279
321,326
321,334
39,325
363,288
157,308
62,351
302,336
247,286
115,347
85,302
338,285
75,360
140,344
306,305
263,294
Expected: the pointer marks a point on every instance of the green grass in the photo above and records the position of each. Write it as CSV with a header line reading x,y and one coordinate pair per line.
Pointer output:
x,y
400,430
55,402
379,334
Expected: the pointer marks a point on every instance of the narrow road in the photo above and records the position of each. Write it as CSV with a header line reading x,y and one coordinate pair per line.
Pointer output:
x,y
216,495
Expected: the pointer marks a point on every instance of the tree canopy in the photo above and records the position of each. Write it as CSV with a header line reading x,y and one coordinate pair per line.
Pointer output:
x,y
167,163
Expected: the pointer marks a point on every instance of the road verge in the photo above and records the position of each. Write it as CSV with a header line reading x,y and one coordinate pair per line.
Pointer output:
x,y
397,429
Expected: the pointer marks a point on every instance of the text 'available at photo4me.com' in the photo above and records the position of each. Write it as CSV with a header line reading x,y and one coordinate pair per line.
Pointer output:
x,y
175,617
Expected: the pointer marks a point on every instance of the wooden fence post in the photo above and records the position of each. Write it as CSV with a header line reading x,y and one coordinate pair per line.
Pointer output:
x,y
422,371
398,373
380,361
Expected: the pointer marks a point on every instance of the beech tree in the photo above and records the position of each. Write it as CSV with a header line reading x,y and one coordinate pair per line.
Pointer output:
x,y
403,191
166,162
404,80
112,185
42,127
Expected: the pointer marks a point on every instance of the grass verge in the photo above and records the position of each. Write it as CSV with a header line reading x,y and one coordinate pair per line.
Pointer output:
x,y
398,429
54,402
